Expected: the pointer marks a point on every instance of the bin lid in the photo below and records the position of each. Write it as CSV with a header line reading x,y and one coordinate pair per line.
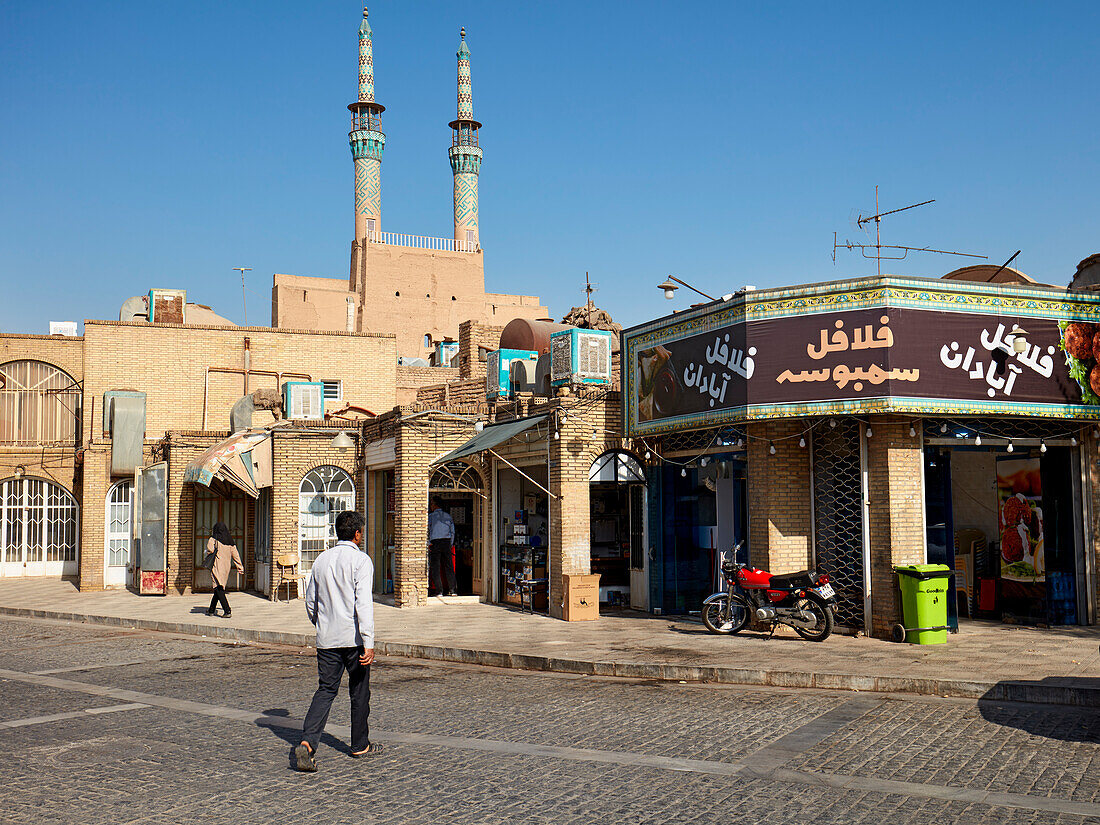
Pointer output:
x,y
925,571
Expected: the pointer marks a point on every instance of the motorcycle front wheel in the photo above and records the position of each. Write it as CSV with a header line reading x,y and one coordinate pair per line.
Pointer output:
x,y
725,616
823,615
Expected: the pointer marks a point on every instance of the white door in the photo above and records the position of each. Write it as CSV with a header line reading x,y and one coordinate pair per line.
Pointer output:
x,y
38,529
118,562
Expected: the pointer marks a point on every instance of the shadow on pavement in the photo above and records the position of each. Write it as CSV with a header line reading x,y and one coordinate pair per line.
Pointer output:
x,y
1075,720
292,735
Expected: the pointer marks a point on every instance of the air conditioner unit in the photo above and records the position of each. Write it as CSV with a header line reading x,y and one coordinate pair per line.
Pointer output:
x,y
498,375
580,356
168,306
304,399
446,353
521,376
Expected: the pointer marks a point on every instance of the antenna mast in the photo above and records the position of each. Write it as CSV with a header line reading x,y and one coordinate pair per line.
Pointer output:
x,y
244,298
878,245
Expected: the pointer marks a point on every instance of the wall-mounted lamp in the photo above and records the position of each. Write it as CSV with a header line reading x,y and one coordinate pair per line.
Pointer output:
x,y
342,441
20,471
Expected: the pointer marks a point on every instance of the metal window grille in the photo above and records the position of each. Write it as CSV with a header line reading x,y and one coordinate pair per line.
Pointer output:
x,y
455,475
324,493
120,513
38,404
334,390
37,522
838,515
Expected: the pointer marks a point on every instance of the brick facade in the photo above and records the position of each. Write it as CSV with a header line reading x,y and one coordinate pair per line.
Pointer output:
x,y
780,513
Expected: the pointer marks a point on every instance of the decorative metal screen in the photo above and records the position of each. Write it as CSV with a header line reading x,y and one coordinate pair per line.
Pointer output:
x,y
838,515
325,493
38,404
120,513
37,526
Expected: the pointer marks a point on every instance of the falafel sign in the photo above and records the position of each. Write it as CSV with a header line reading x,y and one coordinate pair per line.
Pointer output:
x,y
873,359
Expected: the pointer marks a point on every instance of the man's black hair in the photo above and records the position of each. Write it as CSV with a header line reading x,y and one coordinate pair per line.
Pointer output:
x,y
347,523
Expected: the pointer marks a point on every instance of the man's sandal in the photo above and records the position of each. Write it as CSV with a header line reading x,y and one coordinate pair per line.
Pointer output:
x,y
372,749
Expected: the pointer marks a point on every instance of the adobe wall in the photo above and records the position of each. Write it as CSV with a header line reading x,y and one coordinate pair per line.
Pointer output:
x,y
304,302
169,363
411,379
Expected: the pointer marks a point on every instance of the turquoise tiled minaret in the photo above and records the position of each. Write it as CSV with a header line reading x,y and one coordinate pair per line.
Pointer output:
x,y
367,142
465,158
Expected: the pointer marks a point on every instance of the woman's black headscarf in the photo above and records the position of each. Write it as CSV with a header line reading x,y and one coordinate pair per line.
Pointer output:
x,y
221,534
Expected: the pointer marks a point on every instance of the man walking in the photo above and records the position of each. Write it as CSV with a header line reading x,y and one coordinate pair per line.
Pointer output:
x,y
339,603
441,538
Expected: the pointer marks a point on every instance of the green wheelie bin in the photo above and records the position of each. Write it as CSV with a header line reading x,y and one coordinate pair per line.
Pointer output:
x,y
925,589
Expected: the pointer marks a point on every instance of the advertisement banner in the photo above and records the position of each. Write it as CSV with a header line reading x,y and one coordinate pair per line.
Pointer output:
x,y
1020,508
877,358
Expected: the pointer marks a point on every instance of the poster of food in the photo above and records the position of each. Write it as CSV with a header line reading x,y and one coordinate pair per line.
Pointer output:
x,y
1081,345
1020,507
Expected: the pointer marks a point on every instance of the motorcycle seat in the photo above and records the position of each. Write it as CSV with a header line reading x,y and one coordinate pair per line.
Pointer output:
x,y
788,581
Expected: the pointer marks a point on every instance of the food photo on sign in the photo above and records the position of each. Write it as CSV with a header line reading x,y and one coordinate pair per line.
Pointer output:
x,y
1020,507
1081,345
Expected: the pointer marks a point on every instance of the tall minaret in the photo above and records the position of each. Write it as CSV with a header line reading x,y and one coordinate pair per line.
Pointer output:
x,y
367,142
465,157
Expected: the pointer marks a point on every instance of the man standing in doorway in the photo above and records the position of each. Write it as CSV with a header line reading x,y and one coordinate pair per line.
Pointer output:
x,y
441,539
339,603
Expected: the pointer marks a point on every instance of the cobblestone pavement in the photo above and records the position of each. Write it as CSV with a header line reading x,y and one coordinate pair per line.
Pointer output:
x,y
105,726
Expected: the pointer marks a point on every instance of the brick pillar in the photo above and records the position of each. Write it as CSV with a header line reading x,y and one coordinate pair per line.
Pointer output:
x,y
570,515
895,515
779,497
97,463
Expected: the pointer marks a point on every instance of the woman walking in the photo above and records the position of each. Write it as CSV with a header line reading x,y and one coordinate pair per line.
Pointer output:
x,y
225,554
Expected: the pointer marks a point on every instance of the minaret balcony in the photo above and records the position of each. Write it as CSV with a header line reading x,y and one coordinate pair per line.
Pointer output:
x,y
367,144
465,159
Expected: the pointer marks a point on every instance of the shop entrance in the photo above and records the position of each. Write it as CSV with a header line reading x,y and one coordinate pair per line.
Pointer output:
x,y
523,521
458,488
617,528
1009,523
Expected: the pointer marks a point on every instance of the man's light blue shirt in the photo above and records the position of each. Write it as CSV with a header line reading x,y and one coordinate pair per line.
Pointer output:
x,y
441,525
338,597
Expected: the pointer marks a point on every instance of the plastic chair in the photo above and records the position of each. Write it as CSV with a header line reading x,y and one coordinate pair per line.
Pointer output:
x,y
286,572
964,581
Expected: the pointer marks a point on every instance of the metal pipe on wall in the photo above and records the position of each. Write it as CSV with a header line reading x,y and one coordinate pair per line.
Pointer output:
x,y
278,376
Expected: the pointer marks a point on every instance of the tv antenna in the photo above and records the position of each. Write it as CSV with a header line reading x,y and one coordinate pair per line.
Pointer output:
x,y
589,288
861,222
244,298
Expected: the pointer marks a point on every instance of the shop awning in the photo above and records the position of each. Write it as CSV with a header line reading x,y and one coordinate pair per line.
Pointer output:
x,y
492,436
243,461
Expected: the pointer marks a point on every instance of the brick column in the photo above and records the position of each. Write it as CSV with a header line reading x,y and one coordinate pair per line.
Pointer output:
x,y
570,515
97,480
895,515
779,497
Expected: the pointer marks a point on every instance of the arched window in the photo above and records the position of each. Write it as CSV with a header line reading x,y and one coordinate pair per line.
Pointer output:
x,y
455,475
37,529
38,404
325,492
618,466
119,534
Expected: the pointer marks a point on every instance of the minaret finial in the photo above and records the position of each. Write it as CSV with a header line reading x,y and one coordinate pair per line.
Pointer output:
x,y
462,32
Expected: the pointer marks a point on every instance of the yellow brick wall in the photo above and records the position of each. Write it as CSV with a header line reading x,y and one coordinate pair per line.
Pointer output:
x,y
779,497
169,363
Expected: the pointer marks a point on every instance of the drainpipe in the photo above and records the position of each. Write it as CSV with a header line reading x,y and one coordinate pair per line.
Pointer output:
x,y
247,361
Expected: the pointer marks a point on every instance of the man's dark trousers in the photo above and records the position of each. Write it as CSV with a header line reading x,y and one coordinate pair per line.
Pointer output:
x,y
331,664
440,567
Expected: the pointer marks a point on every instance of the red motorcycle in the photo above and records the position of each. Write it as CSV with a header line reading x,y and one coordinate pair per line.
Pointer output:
x,y
804,601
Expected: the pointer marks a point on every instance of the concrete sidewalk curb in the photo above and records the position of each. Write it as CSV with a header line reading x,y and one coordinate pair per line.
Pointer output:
x,y
1009,691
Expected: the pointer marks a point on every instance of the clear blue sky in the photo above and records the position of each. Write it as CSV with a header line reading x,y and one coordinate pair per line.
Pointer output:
x,y
160,144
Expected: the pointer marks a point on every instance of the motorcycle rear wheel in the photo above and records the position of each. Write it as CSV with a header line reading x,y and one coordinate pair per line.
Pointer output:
x,y
726,617
824,615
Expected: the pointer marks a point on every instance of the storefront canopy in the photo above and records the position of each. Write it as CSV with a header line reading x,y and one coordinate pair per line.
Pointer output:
x,y
243,460
492,436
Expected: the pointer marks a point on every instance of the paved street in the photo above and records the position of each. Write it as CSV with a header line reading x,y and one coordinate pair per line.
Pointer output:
x,y
103,725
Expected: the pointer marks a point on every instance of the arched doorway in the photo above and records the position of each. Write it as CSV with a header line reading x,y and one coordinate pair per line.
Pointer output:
x,y
324,493
458,487
119,535
38,529
617,500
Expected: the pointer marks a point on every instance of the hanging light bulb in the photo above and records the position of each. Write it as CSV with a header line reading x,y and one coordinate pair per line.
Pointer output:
x,y
1042,446
869,433
943,428
740,443
912,431
832,422
684,473
978,440
1096,431
1073,441
647,455
557,435
771,448
703,461
1011,447
802,441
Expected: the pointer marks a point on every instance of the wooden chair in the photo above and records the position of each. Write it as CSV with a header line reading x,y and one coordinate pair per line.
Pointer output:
x,y
286,572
